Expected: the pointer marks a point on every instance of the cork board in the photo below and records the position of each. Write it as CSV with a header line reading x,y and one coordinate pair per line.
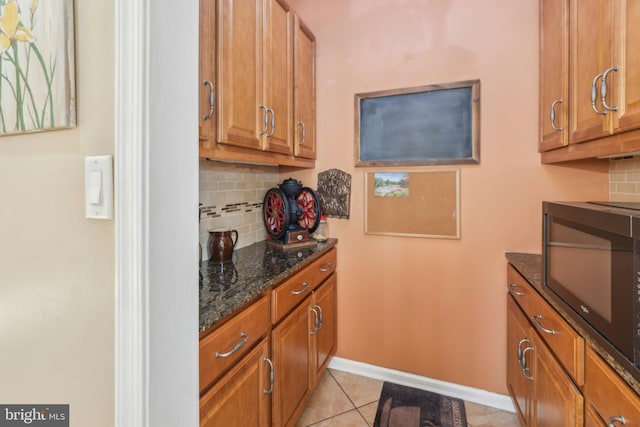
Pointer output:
x,y
414,204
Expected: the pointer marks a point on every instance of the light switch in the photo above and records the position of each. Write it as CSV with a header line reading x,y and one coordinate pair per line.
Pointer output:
x,y
98,187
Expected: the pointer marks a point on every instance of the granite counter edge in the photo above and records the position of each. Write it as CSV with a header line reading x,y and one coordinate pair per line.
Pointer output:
x,y
259,287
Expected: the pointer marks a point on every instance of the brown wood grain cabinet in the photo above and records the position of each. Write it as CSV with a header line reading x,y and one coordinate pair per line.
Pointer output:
x,y
304,90
538,378
247,56
554,376
554,74
305,339
260,366
243,396
609,401
603,78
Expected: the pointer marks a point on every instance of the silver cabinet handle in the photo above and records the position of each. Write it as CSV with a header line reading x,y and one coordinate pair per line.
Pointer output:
x,y
536,320
553,115
611,422
525,370
304,133
305,286
211,99
327,267
603,88
265,118
594,94
316,328
522,341
238,346
512,290
273,122
320,315
271,376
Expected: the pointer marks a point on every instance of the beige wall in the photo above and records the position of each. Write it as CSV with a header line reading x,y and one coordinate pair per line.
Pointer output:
x,y
437,307
56,267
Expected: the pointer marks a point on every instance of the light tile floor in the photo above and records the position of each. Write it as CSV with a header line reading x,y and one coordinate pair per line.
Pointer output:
x,y
344,399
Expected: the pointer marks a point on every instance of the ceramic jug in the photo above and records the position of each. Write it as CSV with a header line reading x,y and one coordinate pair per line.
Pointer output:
x,y
221,244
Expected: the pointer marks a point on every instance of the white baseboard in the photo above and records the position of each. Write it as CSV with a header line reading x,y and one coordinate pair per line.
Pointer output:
x,y
470,394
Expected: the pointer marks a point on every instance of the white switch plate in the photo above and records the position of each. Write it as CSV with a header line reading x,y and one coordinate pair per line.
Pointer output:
x,y
98,187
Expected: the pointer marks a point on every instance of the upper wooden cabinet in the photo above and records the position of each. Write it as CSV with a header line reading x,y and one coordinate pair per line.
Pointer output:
x,y
207,71
603,77
305,90
554,74
251,60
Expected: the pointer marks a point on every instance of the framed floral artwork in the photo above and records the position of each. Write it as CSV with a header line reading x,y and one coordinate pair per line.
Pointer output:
x,y
37,66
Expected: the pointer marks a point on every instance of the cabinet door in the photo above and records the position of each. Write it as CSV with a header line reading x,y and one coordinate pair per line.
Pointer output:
x,y
557,400
239,398
239,73
207,67
626,57
591,55
291,356
325,333
554,74
278,76
304,90
517,340
591,419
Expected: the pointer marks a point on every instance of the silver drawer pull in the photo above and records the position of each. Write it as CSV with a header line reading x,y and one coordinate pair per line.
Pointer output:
x,y
327,267
611,422
271,376
536,320
238,346
512,290
305,286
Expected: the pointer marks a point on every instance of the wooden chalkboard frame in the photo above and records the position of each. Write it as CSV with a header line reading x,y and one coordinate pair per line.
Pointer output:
x,y
430,207
427,125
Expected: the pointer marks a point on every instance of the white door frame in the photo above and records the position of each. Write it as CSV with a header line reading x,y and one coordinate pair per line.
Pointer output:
x,y
156,180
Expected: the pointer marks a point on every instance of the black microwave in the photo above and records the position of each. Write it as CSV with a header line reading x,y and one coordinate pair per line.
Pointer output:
x,y
591,256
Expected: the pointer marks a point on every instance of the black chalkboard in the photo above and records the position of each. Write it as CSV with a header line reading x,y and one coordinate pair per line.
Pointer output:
x,y
435,124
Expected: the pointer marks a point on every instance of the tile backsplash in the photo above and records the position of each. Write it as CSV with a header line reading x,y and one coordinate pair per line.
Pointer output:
x,y
231,197
624,179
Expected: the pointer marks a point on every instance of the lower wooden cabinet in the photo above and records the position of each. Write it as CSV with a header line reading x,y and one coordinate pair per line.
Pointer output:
x,y
260,367
324,331
243,396
610,401
303,344
543,392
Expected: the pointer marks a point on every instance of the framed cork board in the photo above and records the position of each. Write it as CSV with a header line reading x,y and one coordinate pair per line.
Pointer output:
x,y
423,203
426,125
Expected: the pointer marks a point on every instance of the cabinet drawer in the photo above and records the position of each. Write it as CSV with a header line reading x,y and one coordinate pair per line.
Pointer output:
x,y
226,345
565,342
608,394
290,293
323,267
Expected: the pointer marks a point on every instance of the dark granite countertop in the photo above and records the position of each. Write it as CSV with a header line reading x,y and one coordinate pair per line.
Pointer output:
x,y
530,267
228,286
